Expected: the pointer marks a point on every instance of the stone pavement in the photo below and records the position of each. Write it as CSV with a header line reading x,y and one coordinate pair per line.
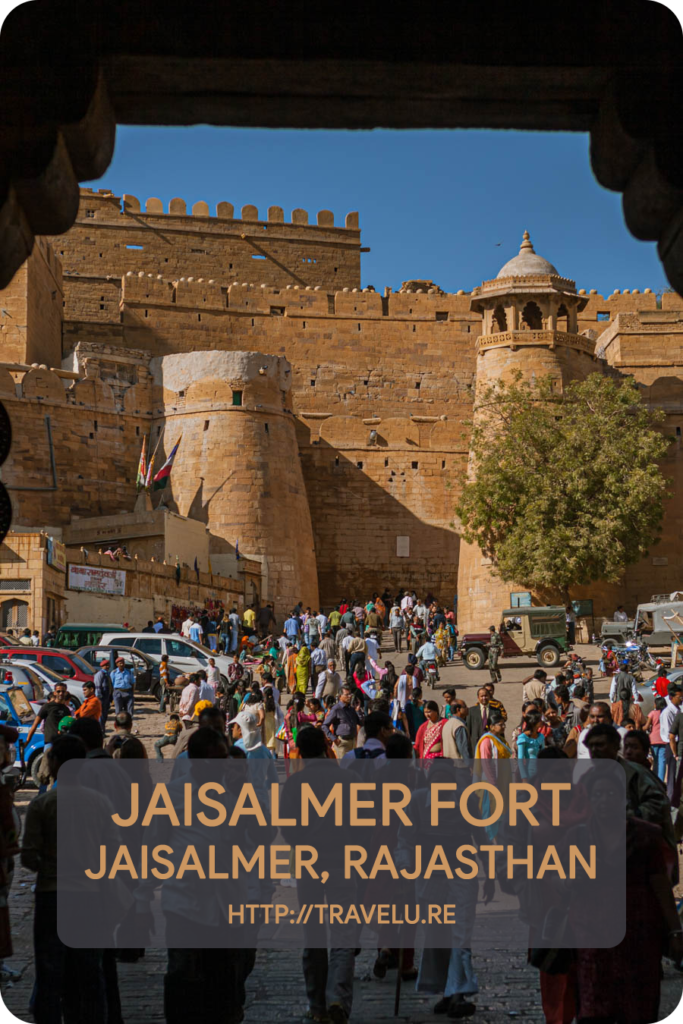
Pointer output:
x,y
508,986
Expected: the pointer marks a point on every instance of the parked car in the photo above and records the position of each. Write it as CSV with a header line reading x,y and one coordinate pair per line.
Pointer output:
x,y
24,676
66,664
541,632
84,634
146,669
49,677
16,711
184,655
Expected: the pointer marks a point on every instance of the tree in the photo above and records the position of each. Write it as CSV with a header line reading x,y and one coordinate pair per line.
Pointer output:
x,y
567,487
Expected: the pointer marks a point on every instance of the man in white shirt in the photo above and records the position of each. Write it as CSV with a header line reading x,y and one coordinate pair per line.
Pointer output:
x,y
428,652
213,674
620,615
372,652
396,625
407,603
185,628
421,611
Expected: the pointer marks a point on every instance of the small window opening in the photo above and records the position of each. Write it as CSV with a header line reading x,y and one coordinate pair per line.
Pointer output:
x,y
146,312
92,436
336,461
532,318
414,465
469,328
206,424
359,465
413,328
237,398
678,431
277,310
386,463
442,316
266,427
312,383
358,326
137,431
90,213
443,463
181,394
602,316
417,384
500,320
562,319
335,269
252,321
366,382
199,316
95,425
304,324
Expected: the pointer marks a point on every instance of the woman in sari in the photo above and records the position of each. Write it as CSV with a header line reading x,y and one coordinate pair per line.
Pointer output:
x,y
428,743
490,756
303,669
295,717
441,642
290,667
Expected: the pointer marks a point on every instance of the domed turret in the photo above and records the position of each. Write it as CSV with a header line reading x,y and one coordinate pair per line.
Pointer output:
x,y
527,261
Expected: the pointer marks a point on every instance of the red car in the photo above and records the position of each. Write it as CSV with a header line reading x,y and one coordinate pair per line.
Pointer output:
x,y
66,664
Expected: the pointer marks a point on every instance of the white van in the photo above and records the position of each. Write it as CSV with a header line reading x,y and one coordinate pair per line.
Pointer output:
x,y
183,654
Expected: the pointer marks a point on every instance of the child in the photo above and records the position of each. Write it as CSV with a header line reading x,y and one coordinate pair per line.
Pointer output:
x,y
171,730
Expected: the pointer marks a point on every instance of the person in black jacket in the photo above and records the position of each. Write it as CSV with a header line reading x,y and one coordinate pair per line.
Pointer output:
x,y
477,716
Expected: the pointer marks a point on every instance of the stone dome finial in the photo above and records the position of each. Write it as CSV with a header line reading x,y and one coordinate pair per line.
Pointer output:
x,y
526,262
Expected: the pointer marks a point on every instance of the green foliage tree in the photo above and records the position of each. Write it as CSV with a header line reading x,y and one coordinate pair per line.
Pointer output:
x,y
568,487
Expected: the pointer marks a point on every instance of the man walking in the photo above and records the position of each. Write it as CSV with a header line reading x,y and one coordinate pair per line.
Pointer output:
x,y
342,723
103,690
455,738
495,651
123,686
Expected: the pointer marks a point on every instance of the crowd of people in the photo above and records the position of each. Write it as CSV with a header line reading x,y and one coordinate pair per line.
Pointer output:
x,y
323,688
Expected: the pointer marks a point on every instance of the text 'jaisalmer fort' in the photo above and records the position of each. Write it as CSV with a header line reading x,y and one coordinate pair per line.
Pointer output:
x,y
324,426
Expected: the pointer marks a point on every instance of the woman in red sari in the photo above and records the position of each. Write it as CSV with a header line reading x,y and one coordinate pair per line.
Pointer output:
x,y
622,983
428,742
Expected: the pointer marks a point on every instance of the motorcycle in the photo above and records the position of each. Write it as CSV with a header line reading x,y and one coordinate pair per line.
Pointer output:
x,y
432,672
637,657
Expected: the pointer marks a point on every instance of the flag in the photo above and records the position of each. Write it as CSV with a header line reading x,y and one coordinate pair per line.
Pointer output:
x,y
237,550
196,566
161,479
142,465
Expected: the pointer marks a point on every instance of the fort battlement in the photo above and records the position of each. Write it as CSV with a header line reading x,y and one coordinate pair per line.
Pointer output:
x,y
90,208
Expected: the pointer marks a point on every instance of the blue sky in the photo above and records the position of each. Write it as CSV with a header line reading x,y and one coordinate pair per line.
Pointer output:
x,y
432,204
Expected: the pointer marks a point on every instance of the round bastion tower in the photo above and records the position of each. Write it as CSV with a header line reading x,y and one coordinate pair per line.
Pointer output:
x,y
238,468
530,325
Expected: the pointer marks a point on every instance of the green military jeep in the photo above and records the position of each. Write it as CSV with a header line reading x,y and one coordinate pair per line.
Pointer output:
x,y
541,632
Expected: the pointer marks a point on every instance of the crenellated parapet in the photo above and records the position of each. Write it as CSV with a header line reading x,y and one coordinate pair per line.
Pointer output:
x,y
95,204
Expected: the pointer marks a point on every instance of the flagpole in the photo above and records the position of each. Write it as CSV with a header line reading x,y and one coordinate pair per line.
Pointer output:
x,y
150,464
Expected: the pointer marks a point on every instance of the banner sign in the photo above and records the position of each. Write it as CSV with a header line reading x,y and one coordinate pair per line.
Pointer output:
x,y
96,580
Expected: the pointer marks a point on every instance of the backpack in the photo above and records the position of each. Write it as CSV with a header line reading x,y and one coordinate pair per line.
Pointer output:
x,y
361,752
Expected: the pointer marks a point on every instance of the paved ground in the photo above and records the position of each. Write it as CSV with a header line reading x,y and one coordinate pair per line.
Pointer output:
x,y
508,986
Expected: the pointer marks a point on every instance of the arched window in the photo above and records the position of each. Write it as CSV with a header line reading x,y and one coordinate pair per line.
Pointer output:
x,y
500,322
13,613
563,318
532,318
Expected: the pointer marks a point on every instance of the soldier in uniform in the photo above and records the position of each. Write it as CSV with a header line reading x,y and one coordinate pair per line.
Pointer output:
x,y
495,651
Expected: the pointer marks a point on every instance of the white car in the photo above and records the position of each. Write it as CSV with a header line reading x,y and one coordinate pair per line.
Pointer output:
x,y
183,654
